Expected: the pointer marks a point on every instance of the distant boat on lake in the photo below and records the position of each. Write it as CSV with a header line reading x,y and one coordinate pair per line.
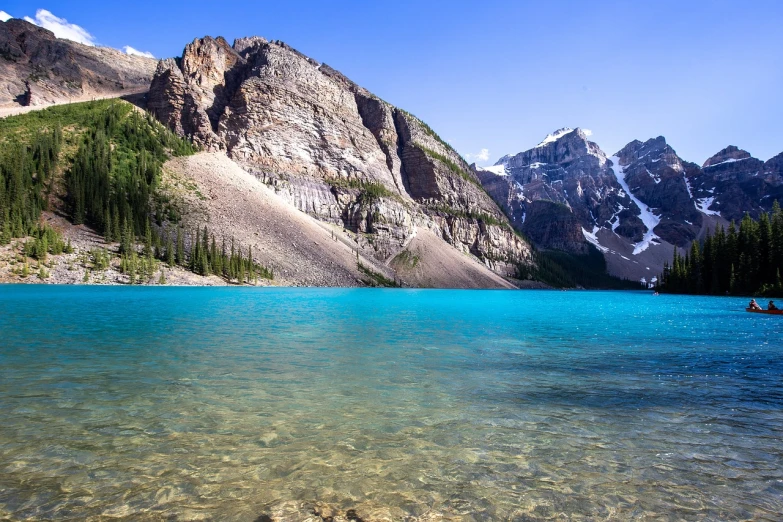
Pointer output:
x,y
769,312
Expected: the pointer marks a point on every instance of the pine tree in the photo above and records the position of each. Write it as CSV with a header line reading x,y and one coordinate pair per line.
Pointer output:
x,y
180,257
107,228
116,230
169,251
148,239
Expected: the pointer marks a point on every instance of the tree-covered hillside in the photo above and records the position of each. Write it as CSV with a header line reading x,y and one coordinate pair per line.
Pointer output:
x,y
736,261
100,163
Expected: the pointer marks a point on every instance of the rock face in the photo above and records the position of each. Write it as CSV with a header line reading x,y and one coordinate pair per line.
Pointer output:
x,y
658,177
330,147
732,182
573,172
37,68
555,225
644,197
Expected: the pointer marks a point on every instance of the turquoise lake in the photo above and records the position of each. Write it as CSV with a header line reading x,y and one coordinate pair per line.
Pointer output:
x,y
232,403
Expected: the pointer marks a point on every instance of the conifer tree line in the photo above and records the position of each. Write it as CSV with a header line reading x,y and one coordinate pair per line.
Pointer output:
x,y
204,256
112,185
114,176
26,171
230,261
740,261
46,240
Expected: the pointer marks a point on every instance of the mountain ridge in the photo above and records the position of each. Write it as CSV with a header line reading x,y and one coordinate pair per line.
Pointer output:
x,y
339,153
321,140
679,199
36,68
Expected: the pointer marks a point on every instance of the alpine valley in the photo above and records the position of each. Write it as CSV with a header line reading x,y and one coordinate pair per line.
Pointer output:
x,y
329,185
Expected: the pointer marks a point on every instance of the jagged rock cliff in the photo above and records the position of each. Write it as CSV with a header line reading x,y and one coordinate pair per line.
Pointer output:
x,y
37,68
635,206
330,147
657,176
733,182
568,169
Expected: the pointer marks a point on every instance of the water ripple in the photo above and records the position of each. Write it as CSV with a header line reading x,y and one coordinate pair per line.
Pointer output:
x,y
190,404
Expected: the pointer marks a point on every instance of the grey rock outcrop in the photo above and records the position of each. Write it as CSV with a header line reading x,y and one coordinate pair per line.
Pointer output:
x,y
571,171
643,196
330,147
37,68
732,183
658,177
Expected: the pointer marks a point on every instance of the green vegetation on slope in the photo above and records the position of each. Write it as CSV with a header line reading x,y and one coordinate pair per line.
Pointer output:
x,y
453,167
117,169
376,279
741,262
565,270
108,158
487,219
369,191
27,169
428,130
45,240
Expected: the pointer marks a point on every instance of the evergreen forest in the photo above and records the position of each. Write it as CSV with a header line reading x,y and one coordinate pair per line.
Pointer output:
x,y
744,260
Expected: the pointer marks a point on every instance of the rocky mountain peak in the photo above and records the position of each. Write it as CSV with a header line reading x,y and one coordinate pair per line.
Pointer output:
x,y
727,155
23,32
321,141
559,133
245,44
653,150
37,68
563,146
775,164
207,59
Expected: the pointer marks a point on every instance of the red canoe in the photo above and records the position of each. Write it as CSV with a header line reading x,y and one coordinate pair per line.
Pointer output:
x,y
770,312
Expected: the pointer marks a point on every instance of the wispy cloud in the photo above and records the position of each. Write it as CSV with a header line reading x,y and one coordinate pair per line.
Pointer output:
x,y
481,156
4,17
61,27
587,132
135,52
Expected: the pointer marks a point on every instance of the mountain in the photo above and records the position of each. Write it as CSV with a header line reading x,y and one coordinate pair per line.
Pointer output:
x,y
635,206
733,182
332,149
398,195
36,68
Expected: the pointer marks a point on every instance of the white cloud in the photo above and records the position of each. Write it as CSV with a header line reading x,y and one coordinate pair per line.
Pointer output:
x,y
481,156
587,132
4,17
61,27
135,52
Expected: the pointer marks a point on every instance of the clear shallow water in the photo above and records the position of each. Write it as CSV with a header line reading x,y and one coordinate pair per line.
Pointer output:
x,y
226,404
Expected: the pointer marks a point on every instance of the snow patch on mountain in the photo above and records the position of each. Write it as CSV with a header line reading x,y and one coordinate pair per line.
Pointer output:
x,y
647,216
688,186
498,170
704,206
591,237
551,138
615,219
730,160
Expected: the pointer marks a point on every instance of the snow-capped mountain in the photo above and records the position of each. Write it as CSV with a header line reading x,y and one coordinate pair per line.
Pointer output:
x,y
733,182
636,205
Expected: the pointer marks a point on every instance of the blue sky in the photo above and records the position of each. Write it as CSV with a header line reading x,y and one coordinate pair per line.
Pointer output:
x,y
500,75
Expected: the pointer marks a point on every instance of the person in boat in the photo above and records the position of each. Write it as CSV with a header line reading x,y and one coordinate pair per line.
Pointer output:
x,y
771,306
754,305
